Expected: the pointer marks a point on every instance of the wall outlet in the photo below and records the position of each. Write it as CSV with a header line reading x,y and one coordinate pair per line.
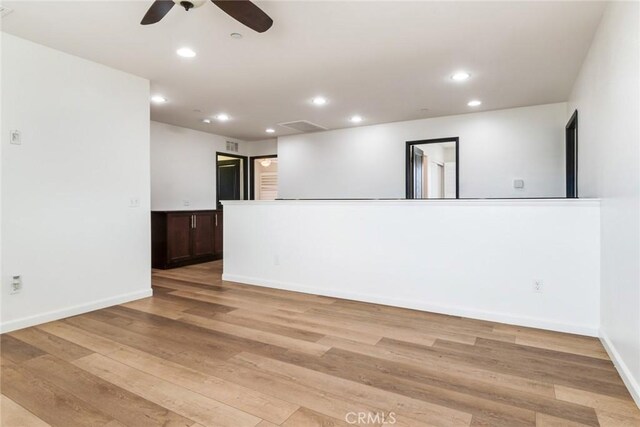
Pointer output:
x,y
537,286
16,284
134,202
15,137
186,203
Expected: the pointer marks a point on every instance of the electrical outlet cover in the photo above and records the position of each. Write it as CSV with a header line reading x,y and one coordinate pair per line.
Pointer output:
x,y
16,285
15,137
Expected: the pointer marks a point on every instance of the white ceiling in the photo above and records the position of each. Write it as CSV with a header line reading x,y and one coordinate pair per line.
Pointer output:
x,y
386,61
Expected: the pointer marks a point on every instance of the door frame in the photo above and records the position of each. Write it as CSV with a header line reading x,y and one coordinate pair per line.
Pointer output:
x,y
245,176
425,160
409,162
571,159
252,171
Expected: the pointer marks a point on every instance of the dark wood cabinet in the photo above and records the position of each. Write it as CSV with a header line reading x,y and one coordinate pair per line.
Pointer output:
x,y
203,234
181,238
217,235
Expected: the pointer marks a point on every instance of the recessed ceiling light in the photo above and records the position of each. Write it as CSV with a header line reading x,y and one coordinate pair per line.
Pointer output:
x,y
474,103
236,35
269,130
319,100
355,119
460,76
207,121
222,117
186,52
158,99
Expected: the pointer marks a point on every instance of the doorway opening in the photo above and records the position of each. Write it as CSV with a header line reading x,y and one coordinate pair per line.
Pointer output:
x,y
231,177
432,169
571,152
264,177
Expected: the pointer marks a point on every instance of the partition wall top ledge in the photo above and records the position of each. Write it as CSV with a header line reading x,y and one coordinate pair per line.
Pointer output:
x,y
453,202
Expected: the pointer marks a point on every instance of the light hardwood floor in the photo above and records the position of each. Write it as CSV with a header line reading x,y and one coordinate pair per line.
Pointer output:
x,y
203,352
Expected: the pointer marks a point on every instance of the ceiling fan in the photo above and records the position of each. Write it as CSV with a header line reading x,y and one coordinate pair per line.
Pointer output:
x,y
242,11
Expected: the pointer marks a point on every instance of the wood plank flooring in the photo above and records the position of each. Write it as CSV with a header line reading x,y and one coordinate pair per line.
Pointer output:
x,y
203,352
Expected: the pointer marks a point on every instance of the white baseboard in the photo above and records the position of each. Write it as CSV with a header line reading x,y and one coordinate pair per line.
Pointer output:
x,y
623,370
50,316
508,318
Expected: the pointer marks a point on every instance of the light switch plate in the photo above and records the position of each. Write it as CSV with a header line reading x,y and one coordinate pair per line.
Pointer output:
x,y
15,137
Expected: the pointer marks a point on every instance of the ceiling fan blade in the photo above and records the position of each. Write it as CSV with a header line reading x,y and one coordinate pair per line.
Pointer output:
x,y
246,13
157,11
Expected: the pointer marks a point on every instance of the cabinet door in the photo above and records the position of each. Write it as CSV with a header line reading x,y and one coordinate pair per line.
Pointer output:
x,y
178,236
203,234
218,232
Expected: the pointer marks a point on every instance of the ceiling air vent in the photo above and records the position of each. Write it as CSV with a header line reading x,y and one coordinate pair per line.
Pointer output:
x,y
302,126
232,146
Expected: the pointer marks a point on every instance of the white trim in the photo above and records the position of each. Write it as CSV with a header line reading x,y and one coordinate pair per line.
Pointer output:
x,y
420,202
50,316
509,318
623,370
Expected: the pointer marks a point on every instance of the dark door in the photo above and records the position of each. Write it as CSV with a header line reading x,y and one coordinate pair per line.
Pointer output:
x,y
571,139
218,233
179,236
203,234
229,179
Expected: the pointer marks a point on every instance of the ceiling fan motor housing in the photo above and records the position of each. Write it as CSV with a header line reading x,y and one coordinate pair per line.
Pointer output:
x,y
189,4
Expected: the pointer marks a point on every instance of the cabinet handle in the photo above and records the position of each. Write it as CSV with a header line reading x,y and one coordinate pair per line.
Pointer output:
x,y
216,216
195,221
191,221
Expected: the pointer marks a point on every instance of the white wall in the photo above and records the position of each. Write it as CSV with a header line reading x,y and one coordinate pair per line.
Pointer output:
x,y
606,95
471,267
496,147
183,167
263,148
66,221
